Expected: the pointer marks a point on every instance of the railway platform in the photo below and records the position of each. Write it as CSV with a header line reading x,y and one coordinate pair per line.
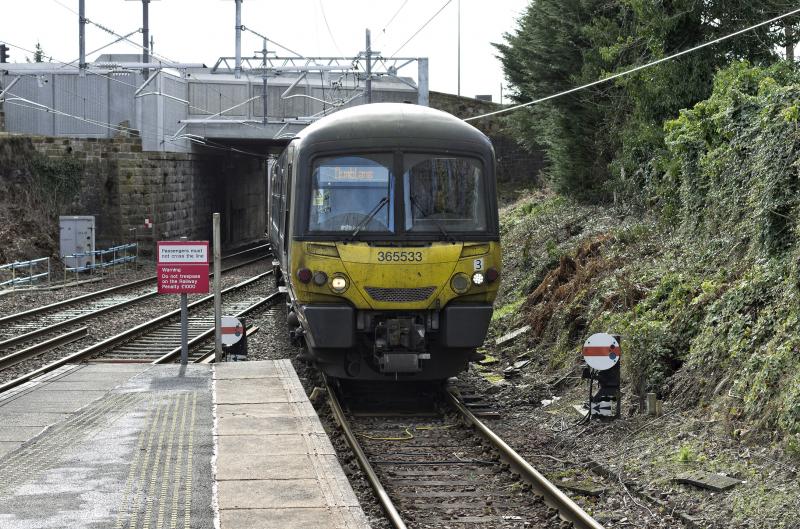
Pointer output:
x,y
232,446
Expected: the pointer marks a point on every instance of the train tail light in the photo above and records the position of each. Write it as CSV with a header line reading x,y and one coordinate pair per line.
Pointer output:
x,y
304,275
491,275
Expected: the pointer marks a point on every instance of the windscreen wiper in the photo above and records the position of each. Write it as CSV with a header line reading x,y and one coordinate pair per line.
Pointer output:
x,y
438,224
446,235
370,216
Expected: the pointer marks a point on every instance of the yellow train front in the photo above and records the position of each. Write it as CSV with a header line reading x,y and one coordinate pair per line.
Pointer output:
x,y
384,222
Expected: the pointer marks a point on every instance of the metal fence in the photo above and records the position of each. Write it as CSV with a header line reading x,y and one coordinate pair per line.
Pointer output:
x,y
126,253
25,272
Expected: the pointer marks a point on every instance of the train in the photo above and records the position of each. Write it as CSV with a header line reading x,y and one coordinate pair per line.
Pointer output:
x,y
384,225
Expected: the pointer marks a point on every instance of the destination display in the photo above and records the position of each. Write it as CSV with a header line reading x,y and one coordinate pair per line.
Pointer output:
x,y
354,174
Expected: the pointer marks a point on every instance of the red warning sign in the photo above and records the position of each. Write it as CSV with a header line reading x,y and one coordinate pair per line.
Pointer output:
x,y
601,351
182,267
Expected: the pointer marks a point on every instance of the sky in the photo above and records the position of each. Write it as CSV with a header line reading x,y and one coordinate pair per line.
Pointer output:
x,y
203,30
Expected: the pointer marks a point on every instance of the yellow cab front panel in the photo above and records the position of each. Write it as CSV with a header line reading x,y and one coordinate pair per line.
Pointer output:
x,y
402,314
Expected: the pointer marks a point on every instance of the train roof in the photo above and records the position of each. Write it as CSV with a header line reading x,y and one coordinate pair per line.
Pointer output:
x,y
391,121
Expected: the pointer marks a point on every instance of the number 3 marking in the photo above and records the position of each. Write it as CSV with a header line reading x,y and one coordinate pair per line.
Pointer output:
x,y
478,265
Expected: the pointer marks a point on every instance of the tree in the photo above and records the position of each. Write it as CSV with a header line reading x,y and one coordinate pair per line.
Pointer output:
x,y
553,49
38,53
604,138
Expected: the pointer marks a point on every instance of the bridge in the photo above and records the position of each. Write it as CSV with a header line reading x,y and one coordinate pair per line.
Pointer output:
x,y
178,106
173,142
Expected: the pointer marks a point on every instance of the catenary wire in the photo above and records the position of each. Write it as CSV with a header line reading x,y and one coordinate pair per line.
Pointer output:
x,y
161,58
167,59
394,16
325,18
636,68
447,3
33,105
131,85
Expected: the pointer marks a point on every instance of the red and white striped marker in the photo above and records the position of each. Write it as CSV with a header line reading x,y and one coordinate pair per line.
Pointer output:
x,y
231,330
148,223
601,351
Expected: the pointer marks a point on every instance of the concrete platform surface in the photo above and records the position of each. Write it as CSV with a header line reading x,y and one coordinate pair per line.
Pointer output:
x,y
134,446
108,446
275,466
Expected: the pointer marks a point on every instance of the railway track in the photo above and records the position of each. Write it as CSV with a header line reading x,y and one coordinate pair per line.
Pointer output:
x,y
158,340
26,326
435,464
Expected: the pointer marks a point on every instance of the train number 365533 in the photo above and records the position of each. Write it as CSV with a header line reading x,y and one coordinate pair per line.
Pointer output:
x,y
399,257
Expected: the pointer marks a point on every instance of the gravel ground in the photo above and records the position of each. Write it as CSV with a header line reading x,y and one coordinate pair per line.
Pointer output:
x,y
114,322
15,301
639,454
548,437
635,459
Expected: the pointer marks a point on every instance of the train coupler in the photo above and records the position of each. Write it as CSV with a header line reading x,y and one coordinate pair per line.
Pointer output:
x,y
400,345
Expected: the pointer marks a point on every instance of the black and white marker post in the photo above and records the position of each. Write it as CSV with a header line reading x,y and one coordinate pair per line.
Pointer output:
x,y
602,353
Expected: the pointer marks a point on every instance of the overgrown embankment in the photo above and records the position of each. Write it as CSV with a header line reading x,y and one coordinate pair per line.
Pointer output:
x,y
703,286
34,190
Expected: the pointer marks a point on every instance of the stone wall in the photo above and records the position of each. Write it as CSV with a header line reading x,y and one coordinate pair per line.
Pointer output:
x,y
122,185
514,163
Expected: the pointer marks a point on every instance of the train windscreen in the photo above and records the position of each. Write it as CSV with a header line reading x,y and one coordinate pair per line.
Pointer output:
x,y
352,194
443,194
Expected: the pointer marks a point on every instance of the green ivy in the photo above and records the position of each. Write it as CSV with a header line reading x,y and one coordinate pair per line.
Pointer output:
x,y
59,177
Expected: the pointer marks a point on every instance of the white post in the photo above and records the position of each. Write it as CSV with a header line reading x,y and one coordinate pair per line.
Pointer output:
x,y
184,325
217,292
423,94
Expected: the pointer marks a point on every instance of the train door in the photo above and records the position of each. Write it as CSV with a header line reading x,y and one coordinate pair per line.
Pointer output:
x,y
276,201
287,197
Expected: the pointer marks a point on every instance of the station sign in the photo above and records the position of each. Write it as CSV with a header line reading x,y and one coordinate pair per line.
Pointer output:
x,y
182,267
601,351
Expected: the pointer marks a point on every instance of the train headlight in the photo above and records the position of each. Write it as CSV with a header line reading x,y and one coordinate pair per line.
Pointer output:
x,y
339,283
320,278
477,278
460,283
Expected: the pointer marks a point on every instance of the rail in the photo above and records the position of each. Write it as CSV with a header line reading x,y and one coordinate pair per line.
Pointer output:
x,y
122,337
553,496
209,333
86,297
380,493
